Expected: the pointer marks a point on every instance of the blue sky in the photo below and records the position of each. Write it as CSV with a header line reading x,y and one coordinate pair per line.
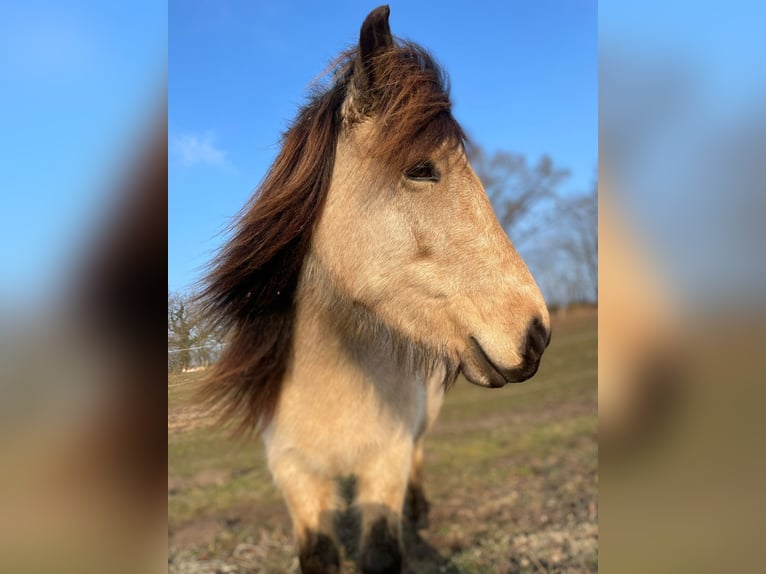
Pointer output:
x,y
523,77
722,46
691,186
78,82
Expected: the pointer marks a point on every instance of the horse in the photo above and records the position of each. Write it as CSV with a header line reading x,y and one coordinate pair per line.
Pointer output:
x,y
366,272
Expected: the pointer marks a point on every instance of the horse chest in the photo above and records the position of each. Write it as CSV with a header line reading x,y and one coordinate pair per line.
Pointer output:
x,y
347,423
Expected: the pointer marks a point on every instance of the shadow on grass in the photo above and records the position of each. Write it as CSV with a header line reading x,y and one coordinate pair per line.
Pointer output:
x,y
422,558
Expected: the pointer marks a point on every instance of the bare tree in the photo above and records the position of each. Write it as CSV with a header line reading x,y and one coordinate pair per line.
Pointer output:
x,y
179,332
192,341
580,237
519,192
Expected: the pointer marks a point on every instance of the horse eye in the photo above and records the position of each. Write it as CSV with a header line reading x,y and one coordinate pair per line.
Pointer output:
x,y
422,171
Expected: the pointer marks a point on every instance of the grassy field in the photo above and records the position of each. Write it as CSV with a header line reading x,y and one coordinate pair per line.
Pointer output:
x,y
511,475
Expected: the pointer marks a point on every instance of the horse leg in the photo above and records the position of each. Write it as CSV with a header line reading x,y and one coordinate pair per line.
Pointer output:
x,y
416,504
382,487
310,500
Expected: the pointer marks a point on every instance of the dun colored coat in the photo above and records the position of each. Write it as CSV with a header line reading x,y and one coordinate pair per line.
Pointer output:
x,y
366,273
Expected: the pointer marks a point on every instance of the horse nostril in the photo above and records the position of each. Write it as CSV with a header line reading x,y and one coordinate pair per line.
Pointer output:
x,y
538,338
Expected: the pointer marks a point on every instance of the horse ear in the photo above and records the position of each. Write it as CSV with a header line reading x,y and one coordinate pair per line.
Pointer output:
x,y
374,39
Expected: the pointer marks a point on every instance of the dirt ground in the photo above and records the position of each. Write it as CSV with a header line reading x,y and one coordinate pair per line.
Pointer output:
x,y
511,475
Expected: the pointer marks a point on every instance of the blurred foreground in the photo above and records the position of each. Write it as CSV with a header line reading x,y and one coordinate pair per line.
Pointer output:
x,y
680,394
682,286
82,435
82,251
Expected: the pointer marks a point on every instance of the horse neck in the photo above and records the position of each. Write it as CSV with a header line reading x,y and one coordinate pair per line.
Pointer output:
x,y
335,350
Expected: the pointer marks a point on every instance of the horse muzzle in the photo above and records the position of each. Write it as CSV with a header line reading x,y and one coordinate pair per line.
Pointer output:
x,y
480,369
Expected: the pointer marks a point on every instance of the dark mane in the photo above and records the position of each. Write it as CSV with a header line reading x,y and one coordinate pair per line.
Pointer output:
x,y
250,289
410,103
